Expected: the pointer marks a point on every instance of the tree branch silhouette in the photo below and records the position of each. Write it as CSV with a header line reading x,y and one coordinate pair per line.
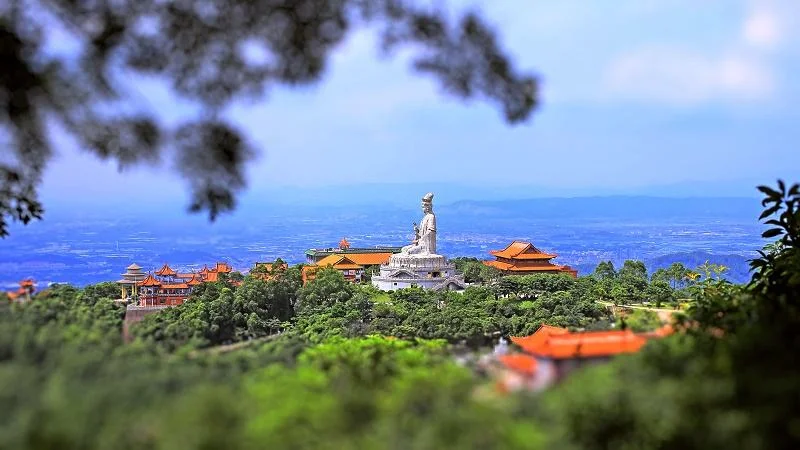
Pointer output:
x,y
196,47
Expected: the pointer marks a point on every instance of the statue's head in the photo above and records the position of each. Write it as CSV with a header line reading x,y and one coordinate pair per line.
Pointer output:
x,y
427,203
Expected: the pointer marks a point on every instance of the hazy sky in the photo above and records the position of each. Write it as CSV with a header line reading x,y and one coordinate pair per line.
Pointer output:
x,y
634,93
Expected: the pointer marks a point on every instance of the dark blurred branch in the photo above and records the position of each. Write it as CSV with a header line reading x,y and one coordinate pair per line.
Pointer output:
x,y
197,47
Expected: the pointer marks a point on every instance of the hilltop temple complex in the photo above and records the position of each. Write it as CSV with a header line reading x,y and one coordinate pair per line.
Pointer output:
x,y
353,263
165,287
521,258
23,293
415,265
314,255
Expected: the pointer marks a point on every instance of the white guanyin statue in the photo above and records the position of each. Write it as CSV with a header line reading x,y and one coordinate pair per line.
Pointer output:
x,y
425,234
418,264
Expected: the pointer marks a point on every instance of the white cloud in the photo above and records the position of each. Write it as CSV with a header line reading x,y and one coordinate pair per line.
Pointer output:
x,y
745,70
679,76
762,29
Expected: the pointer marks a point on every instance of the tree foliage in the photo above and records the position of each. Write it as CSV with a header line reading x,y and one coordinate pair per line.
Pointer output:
x,y
204,51
727,381
330,380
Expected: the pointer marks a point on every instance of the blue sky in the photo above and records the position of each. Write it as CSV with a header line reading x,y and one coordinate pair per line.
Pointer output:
x,y
636,97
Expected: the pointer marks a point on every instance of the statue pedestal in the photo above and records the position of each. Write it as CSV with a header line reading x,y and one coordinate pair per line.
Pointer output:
x,y
428,271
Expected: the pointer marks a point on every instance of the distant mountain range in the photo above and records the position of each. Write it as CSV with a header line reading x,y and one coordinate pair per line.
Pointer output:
x,y
90,245
618,207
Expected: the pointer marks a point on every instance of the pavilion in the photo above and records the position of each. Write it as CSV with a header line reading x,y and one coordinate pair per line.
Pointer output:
x,y
522,258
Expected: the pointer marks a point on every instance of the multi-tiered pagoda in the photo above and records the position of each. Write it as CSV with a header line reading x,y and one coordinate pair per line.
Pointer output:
x,y
521,258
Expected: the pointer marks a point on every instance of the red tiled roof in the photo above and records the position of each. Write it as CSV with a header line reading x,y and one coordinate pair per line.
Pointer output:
x,y
150,281
166,271
521,250
195,280
522,267
519,362
369,259
222,267
341,262
539,336
501,265
581,345
211,277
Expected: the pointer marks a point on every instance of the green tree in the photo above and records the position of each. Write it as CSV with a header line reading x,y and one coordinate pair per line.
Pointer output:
x,y
328,288
605,270
641,320
677,274
472,272
659,292
634,270
727,371
489,274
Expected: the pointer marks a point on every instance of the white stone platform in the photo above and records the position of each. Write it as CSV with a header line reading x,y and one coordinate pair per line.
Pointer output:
x,y
425,271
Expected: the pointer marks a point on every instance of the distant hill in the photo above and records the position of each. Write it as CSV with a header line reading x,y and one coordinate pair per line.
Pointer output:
x,y
619,207
738,265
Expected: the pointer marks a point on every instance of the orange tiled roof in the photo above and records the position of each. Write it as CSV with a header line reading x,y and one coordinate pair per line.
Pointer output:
x,y
582,345
369,259
521,250
343,244
27,283
338,262
523,267
519,362
222,267
539,336
166,271
195,280
204,270
150,281
211,277
501,265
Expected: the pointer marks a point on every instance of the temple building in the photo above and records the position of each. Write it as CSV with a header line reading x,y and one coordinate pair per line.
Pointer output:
x,y
130,279
354,263
522,258
380,255
24,293
345,264
165,287
552,353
